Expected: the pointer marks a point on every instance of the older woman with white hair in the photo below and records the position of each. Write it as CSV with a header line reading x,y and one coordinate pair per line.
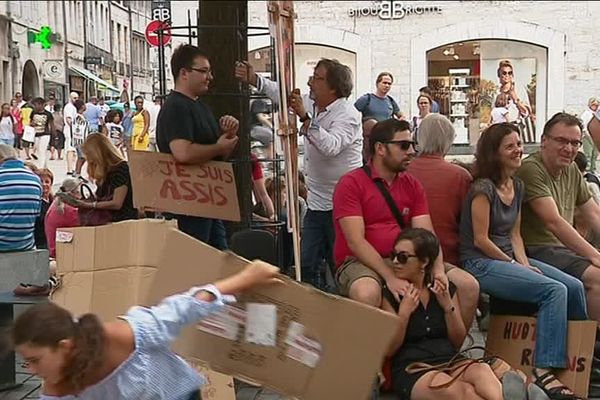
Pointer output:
x,y
446,186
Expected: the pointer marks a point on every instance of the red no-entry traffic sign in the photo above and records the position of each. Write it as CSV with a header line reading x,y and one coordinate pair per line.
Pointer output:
x,y
152,36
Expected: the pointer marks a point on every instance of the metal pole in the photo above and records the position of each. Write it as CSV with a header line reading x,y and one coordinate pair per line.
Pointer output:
x,y
11,47
67,88
161,63
130,51
85,41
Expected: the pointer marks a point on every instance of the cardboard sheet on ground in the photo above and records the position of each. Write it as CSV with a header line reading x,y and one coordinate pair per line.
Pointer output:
x,y
107,269
159,183
513,339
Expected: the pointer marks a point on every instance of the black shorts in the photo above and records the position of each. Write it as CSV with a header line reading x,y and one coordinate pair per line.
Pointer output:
x,y
560,257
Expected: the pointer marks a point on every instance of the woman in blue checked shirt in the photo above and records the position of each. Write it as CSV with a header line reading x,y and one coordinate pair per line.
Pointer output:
x,y
128,358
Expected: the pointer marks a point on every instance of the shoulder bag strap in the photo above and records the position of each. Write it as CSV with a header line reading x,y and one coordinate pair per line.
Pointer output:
x,y
387,196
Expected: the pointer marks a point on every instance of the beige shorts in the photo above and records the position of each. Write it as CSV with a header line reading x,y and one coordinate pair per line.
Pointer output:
x,y
352,270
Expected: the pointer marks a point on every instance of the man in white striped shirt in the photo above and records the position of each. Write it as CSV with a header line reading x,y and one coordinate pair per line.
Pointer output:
x,y
333,146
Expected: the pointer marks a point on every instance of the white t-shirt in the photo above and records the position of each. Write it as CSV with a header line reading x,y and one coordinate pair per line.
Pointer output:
x,y
80,129
6,128
69,112
104,109
115,133
153,110
499,114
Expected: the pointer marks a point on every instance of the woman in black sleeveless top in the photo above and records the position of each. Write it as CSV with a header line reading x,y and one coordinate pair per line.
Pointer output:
x,y
430,329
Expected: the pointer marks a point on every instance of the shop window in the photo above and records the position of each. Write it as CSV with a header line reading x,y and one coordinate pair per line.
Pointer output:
x,y
479,82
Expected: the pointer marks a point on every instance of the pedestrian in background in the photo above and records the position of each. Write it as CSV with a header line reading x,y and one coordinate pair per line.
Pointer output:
x,y
43,123
58,136
7,126
15,111
141,126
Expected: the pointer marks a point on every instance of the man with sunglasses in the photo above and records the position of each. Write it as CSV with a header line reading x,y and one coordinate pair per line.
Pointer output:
x,y
365,223
554,191
187,129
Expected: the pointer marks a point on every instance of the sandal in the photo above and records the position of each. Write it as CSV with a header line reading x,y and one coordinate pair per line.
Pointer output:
x,y
560,392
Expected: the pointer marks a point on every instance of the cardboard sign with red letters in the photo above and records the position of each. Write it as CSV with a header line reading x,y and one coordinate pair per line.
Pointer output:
x,y
513,339
162,184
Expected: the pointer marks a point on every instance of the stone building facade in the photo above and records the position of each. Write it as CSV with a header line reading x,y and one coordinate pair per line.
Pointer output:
x,y
452,46
98,49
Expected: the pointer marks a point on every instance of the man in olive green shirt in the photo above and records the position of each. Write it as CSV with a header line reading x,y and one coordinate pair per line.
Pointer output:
x,y
554,188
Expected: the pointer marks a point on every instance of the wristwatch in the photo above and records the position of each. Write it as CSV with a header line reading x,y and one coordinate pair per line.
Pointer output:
x,y
306,117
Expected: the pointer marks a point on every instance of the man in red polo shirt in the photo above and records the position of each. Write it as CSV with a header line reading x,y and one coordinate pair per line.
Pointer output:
x,y
365,226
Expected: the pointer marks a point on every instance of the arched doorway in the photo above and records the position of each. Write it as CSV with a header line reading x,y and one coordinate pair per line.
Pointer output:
x,y
520,43
31,83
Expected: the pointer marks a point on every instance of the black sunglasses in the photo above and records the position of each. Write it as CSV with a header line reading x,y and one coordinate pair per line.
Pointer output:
x,y
404,144
400,257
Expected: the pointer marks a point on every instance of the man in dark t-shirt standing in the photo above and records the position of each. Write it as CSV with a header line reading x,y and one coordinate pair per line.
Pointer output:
x,y
187,129
42,122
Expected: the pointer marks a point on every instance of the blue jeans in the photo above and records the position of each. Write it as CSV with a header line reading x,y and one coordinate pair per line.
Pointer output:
x,y
559,297
207,230
316,245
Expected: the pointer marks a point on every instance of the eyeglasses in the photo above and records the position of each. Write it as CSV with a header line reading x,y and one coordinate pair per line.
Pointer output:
x,y
201,70
510,73
404,144
400,257
564,142
316,78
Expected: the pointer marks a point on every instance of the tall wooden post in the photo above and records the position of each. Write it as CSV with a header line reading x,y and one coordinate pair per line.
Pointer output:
x,y
222,33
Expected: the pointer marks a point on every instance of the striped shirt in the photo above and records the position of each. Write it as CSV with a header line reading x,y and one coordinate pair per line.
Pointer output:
x,y
153,371
20,203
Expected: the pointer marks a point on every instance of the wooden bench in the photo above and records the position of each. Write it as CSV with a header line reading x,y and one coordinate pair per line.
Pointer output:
x,y
23,267
7,364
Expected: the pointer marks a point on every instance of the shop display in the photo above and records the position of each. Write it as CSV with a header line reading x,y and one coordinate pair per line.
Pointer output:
x,y
459,103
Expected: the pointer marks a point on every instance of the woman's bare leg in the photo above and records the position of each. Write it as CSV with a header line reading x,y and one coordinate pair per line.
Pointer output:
x,y
457,390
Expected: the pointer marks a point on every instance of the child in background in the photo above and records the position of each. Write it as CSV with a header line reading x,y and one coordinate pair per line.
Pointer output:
x,y
114,130
500,110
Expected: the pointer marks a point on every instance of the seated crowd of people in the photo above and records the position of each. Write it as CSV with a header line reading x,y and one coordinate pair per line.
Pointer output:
x,y
508,229
408,231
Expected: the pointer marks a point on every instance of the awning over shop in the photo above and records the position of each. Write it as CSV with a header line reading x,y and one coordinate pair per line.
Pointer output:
x,y
91,76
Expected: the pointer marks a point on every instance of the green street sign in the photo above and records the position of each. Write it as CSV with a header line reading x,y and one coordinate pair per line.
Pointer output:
x,y
46,37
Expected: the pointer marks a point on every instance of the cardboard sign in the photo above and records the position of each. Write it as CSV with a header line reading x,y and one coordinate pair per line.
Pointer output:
x,y
161,184
217,386
326,347
513,339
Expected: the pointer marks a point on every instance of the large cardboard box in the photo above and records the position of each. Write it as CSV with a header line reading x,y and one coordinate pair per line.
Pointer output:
x,y
513,339
107,269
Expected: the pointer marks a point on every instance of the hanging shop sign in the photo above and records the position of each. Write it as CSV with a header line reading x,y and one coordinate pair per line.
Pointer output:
x,y
388,9
54,70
